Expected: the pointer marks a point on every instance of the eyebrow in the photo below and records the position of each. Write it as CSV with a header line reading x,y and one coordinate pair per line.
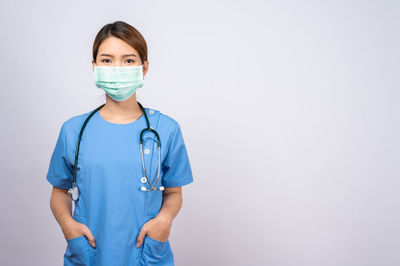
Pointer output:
x,y
122,56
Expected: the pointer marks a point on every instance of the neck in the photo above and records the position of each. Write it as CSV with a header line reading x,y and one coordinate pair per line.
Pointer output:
x,y
125,111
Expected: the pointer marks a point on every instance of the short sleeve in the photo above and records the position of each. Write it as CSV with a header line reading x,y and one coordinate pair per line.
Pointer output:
x,y
60,173
176,166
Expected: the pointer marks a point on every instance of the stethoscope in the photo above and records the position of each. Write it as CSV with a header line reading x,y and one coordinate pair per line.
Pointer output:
x,y
74,190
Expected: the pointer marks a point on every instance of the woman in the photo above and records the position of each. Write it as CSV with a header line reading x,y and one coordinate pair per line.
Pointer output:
x,y
122,215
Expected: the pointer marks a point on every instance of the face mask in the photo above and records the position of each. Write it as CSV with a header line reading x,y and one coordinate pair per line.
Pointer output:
x,y
118,82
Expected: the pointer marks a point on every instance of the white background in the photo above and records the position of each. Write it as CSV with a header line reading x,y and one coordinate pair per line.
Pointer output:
x,y
289,110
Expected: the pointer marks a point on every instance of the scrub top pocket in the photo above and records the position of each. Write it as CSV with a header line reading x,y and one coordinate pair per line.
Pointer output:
x,y
79,252
156,253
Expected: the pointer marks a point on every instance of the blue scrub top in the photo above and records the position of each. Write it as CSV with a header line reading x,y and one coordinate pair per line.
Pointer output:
x,y
109,173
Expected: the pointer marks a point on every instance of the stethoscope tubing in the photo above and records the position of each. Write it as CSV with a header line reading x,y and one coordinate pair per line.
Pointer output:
x,y
141,151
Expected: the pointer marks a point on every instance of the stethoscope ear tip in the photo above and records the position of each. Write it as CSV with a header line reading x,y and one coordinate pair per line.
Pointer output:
x,y
143,188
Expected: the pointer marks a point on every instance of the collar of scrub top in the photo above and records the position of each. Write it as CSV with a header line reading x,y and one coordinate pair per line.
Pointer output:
x,y
74,190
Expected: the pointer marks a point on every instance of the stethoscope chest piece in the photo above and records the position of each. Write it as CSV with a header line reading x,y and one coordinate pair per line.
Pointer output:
x,y
74,192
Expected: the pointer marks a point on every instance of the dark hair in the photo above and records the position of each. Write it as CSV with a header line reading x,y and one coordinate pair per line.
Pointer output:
x,y
125,32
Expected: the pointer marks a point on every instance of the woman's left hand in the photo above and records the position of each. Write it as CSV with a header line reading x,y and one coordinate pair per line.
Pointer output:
x,y
157,228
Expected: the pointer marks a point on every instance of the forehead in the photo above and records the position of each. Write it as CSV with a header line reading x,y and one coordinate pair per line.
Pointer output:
x,y
115,46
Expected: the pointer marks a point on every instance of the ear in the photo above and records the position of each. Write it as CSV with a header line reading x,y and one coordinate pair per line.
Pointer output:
x,y
145,67
93,64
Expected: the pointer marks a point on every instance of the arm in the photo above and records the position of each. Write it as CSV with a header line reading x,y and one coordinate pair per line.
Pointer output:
x,y
172,203
160,226
61,206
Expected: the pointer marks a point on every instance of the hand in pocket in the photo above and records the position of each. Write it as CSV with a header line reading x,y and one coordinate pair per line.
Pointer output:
x,y
76,229
156,228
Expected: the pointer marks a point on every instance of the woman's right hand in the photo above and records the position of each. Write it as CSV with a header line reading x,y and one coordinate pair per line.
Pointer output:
x,y
76,229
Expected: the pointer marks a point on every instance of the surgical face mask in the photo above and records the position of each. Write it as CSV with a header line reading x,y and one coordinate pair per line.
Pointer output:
x,y
118,82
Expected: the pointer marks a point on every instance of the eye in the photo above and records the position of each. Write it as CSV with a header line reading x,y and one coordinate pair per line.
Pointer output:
x,y
131,61
105,60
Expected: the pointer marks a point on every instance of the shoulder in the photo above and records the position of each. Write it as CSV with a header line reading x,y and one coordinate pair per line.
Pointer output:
x,y
164,120
166,124
74,123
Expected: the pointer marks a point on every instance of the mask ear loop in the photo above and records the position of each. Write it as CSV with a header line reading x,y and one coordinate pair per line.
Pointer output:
x,y
142,69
